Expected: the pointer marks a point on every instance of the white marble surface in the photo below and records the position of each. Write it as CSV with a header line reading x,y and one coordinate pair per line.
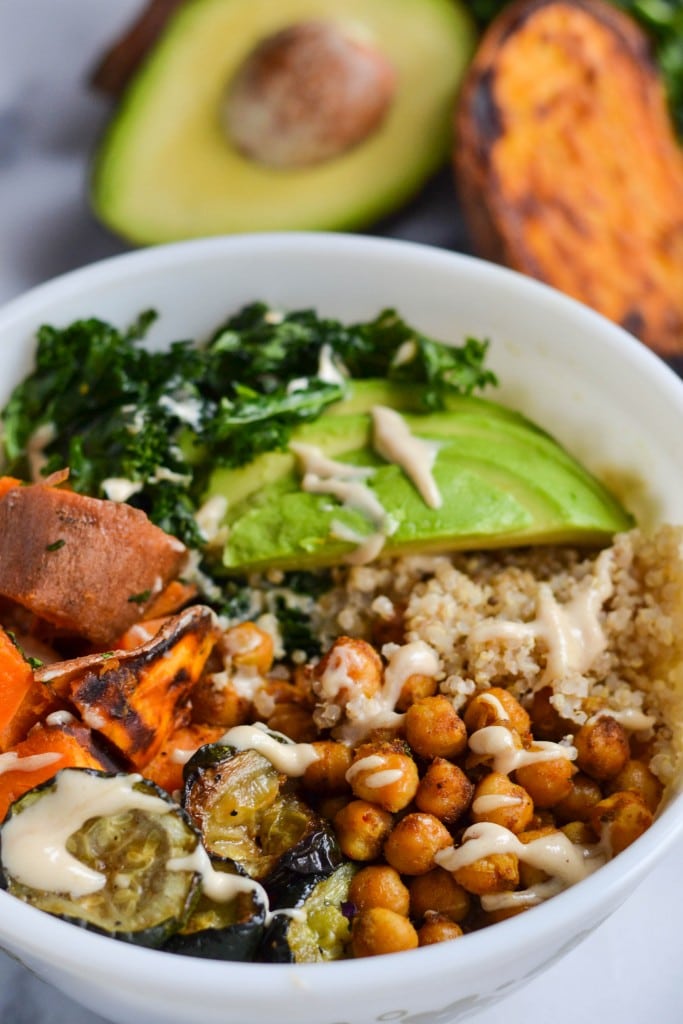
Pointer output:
x,y
628,971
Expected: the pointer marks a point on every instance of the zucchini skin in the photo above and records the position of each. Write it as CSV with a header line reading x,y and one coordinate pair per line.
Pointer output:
x,y
153,935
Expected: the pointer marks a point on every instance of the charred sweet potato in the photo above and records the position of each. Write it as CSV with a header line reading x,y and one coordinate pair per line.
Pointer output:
x,y
567,166
136,698
166,768
88,566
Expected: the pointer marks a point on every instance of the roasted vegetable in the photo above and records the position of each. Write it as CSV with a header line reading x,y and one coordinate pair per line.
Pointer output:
x,y
109,863
90,567
23,699
322,930
231,930
568,166
247,813
134,697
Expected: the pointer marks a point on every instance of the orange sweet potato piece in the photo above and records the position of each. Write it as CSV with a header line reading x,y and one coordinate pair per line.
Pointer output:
x,y
8,483
135,698
166,769
567,165
45,751
88,566
23,699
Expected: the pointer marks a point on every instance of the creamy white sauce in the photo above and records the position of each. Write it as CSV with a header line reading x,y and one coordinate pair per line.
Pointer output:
x,y
497,744
496,704
489,802
291,758
393,440
329,369
34,842
118,488
59,717
368,548
218,885
187,410
378,776
13,762
632,719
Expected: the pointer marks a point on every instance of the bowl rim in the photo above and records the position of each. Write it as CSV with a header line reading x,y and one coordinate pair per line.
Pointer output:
x,y
32,932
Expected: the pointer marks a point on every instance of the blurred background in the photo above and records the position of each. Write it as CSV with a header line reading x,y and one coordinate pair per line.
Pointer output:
x,y
51,119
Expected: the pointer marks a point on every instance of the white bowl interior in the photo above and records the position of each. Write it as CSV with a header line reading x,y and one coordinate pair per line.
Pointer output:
x,y
610,400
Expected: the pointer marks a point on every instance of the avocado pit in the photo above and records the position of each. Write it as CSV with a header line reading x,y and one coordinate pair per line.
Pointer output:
x,y
307,94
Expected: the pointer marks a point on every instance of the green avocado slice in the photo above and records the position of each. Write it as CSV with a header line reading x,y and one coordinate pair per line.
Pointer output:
x,y
166,168
502,480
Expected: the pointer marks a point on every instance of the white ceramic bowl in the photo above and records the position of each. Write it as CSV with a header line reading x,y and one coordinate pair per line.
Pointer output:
x,y
617,406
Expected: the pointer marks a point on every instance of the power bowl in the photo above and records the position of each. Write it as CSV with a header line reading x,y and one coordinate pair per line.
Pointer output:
x,y
603,394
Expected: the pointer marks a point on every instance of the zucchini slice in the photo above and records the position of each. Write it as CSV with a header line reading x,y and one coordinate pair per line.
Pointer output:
x,y
96,849
232,930
248,813
323,931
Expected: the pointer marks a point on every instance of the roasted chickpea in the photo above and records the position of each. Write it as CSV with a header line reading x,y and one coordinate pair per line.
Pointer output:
x,y
383,773
619,819
215,701
349,668
378,930
583,794
438,928
438,891
580,832
501,801
295,721
636,777
528,874
434,728
496,873
547,782
444,791
414,841
361,829
327,775
379,885
495,705
546,722
416,687
602,747
249,645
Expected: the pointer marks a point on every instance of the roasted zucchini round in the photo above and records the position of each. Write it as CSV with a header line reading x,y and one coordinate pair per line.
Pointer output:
x,y
321,930
95,848
249,813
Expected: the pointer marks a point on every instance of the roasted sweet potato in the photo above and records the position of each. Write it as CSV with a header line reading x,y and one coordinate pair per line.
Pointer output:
x,y
166,768
135,698
45,751
567,165
23,699
90,567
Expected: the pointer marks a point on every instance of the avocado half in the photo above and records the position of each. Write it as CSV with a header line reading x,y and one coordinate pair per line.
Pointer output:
x,y
504,482
167,169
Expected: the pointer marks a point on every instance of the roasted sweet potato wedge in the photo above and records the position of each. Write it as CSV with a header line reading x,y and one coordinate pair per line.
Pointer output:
x,y
136,698
23,698
567,165
90,567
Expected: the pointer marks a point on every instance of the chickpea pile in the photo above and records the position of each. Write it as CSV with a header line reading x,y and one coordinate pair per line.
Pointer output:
x,y
401,795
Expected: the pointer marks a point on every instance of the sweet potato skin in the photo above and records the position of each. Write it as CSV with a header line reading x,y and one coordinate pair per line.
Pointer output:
x,y
88,566
567,166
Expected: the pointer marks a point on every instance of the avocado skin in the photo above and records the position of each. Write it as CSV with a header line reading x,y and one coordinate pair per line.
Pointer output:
x,y
504,482
165,169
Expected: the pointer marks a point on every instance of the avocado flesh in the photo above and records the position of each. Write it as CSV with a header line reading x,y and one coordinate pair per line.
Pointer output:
x,y
166,170
503,483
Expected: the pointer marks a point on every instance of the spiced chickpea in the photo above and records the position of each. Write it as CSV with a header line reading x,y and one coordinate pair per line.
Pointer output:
x,y
378,930
415,688
437,928
437,891
385,774
215,701
249,645
498,872
636,777
444,791
350,667
546,721
493,706
498,799
602,747
434,728
379,885
547,782
583,794
295,721
326,776
528,874
580,832
620,819
361,829
414,841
